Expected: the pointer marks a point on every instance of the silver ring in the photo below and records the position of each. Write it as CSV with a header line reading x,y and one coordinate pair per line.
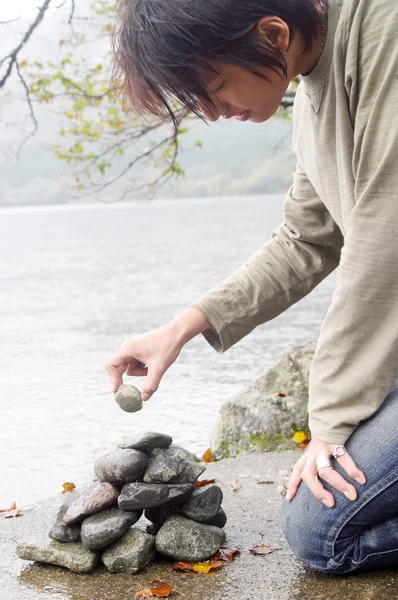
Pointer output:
x,y
322,462
339,451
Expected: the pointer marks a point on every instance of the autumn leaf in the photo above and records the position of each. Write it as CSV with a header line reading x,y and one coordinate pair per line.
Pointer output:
x,y
235,485
282,393
208,456
160,589
68,487
261,549
226,554
13,511
300,437
201,567
203,482
265,482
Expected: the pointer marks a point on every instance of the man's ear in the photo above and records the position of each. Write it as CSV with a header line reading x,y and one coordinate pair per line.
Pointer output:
x,y
275,31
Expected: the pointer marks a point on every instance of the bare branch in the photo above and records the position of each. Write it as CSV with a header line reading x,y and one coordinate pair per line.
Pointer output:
x,y
31,111
9,21
13,56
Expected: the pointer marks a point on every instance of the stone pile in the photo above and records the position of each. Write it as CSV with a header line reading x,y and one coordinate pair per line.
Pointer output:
x,y
147,476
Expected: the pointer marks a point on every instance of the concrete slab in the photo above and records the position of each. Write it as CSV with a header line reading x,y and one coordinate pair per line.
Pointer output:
x,y
252,518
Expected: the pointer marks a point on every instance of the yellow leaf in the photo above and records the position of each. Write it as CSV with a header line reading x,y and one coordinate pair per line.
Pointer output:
x,y
68,487
208,456
299,437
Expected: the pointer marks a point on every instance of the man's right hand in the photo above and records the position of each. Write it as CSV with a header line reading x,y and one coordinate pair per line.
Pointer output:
x,y
151,354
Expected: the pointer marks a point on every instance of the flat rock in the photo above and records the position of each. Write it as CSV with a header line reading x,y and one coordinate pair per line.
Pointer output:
x,y
183,539
66,534
135,496
203,504
121,466
128,398
71,556
220,520
104,528
145,440
96,497
131,553
172,465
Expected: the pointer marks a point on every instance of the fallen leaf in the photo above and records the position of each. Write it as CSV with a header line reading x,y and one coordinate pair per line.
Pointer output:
x,y
235,485
68,487
13,511
208,456
303,446
203,482
261,549
160,589
201,567
226,554
299,437
282,393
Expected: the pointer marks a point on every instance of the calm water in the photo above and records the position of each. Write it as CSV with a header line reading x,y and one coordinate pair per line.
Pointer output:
x,y
74,282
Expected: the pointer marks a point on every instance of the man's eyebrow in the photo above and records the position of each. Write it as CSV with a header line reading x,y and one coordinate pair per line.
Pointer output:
x,y
212,78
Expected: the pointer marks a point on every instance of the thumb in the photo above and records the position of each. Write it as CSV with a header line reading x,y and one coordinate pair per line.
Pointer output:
x,y
152,382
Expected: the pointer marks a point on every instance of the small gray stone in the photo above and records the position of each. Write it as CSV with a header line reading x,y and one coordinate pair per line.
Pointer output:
x,y
131,553
172,465
158,515
96,497
71,556
145,440
203,503
135,496
121,466
106,527
66,534
183,539
220,520
128,398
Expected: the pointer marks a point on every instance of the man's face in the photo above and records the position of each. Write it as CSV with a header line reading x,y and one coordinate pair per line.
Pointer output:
x,y
239,93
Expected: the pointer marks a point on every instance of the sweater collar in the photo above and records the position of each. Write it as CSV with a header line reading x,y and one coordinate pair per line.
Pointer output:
x,y
314,83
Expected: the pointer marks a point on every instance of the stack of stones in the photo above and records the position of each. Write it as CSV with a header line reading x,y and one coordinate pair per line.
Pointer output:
x,y
147,476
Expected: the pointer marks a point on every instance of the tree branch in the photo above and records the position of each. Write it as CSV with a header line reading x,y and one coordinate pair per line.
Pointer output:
x,y
31,111
13,56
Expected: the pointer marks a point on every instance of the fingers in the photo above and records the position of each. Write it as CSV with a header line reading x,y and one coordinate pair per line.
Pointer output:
x,y
295,479
338,482
351,469
151,383
311,480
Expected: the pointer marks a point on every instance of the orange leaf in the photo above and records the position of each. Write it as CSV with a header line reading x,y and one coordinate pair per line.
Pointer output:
x,y
208,456
13,511
68,487
203,482
226,554
182,566
282,393
160,589
261,549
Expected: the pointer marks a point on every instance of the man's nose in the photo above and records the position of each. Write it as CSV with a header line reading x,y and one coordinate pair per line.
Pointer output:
x,y
220,108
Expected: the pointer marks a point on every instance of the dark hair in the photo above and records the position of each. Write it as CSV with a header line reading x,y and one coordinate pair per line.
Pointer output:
x,y
160,46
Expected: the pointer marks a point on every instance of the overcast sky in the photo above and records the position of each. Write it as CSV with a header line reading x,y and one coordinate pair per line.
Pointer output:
x,y
16,8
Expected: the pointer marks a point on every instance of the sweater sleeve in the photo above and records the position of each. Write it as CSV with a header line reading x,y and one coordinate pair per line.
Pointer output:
x,y
356,360
301,253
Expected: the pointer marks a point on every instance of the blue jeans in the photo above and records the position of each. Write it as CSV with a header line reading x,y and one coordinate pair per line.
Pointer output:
x,y
353,535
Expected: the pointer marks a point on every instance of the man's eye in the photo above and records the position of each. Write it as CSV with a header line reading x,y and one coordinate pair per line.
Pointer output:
x,y
218,89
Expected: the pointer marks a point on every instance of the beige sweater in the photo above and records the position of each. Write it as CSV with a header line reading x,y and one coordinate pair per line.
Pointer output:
x,y
341,211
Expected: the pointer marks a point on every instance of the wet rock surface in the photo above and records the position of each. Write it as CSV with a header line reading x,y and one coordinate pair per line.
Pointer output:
x,y
96,497
61,532
203,504
131,553
145,441
182,539
172,465
106,527
135,496
219,520
128,398
121,466
72,556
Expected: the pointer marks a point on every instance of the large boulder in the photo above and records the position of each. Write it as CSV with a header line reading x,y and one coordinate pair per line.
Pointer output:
x,y
266,415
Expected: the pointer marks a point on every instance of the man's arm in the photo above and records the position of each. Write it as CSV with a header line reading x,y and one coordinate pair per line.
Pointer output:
x,y
301,253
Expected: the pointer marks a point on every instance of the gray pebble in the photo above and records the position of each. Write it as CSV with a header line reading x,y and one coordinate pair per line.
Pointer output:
x,y
121,466
203,504
131,553
128,398
145,441
106,527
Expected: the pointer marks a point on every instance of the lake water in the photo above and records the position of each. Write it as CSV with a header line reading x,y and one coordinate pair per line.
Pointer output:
x,y
76,280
